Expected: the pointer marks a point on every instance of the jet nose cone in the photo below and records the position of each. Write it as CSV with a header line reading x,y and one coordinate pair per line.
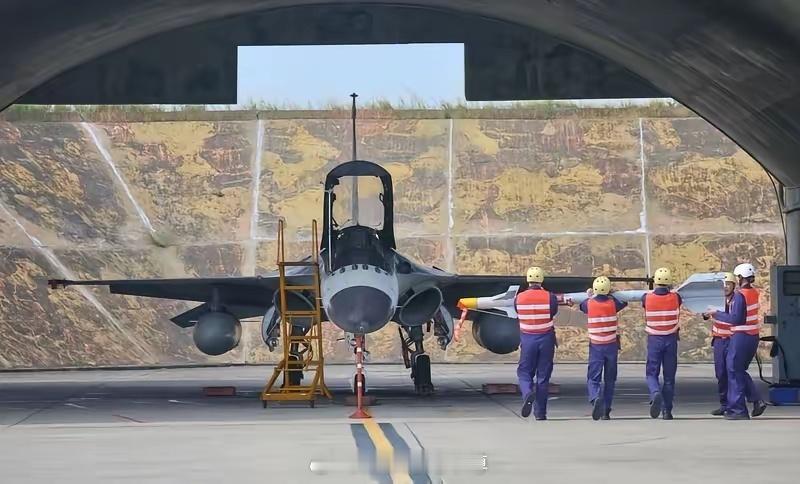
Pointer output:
x,y
360,309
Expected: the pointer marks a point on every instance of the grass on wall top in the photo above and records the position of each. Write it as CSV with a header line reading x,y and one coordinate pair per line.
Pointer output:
x,y
414,109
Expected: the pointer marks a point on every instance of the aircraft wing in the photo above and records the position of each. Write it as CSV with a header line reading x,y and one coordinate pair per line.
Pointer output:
x,y
244,297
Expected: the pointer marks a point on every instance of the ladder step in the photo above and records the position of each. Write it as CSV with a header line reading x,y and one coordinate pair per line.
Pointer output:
x,y
298,264
310,367
309,287
300,313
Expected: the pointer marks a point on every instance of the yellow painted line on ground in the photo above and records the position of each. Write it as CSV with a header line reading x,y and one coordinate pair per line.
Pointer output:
x,y
384,451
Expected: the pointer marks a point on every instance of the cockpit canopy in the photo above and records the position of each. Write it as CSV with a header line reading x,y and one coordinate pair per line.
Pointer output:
x,y
358,213
358,200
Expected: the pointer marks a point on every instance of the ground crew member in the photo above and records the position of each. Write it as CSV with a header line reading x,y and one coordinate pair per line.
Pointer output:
x,y
536,309
661,310
742,315
601,310
720,341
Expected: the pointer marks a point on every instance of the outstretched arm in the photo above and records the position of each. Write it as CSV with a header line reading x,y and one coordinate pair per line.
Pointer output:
x,y
553,305
736,312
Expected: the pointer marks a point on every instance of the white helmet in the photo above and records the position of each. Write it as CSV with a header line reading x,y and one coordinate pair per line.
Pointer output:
x,y
745,270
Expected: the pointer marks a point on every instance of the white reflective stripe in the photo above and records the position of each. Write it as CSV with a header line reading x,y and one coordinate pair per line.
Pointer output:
x,y
746,327
658,332
533,316
533,306
753,307
720,323
603,319
535,327
605,329
610,337
662,323
662,313
752,318
721,332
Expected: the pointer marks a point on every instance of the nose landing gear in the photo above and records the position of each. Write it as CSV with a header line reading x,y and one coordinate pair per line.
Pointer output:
x,y
417,360
359,380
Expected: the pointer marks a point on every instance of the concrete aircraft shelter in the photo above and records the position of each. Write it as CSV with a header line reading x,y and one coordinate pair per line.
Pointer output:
x,y
734,63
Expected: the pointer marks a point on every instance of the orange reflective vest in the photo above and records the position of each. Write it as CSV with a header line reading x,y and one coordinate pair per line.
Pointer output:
x,y
602,321
533,311
751,324
721,329
661,313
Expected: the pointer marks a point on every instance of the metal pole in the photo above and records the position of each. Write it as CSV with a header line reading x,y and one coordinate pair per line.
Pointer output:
x,y
353,116
354,194
791,210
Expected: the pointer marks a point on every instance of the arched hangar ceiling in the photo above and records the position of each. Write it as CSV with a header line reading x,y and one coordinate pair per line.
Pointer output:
x,y
736,63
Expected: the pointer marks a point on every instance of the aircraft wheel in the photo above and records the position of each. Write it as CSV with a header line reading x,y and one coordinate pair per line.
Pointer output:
x,y
422,375
363,384
295,377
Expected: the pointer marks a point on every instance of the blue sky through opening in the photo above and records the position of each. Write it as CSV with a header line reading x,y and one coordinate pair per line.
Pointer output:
x,y
317,76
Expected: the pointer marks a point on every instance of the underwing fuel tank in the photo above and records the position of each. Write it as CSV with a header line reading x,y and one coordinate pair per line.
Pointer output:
x,y
216,333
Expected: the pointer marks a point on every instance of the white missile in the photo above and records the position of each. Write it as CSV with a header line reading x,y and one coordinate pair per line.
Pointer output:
x,y
701,292
502,302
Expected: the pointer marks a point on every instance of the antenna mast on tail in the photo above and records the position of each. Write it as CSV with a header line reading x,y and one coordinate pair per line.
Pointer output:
x,y
353,115
354,193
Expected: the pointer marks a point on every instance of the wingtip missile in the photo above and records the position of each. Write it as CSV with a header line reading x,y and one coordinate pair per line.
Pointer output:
x,y
503,302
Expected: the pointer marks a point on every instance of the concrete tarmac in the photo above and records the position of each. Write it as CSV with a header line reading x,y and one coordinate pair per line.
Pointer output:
x,y
154,426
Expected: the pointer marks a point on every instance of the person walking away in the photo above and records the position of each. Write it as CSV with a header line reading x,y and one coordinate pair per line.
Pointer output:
x,y
743,317
601,311
536,308
661,313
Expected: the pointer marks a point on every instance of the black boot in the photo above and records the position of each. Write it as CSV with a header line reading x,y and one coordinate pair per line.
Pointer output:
x,y
597,408
758,407
718,412
667,415
527,405
655,405
607,415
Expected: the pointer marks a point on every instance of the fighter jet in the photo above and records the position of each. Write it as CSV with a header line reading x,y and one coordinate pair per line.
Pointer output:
x,y
365,283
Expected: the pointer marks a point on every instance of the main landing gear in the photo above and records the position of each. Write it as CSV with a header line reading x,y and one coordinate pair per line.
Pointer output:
x,y
416,359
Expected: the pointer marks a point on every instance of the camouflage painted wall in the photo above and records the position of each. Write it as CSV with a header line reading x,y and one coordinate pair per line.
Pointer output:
x,y
195,198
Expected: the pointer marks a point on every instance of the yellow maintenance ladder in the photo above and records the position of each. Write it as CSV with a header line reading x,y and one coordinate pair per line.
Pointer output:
x,y
301,353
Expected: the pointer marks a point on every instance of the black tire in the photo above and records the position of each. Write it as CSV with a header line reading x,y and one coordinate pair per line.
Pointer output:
x,y
295,377
363,384
422,375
